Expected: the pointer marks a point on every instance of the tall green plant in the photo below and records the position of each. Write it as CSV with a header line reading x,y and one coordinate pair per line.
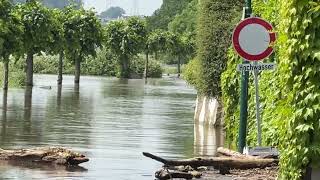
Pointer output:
x,y
11,31
126,38
301,23
83,33
215,25
59,43
38,35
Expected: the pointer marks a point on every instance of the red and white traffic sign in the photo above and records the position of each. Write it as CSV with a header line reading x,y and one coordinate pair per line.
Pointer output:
x,y
253,39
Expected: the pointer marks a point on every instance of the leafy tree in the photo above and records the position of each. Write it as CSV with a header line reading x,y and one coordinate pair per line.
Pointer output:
x,y
157,40
126,38
177,47
83,32
39,32
167,12
59,42
11,31
186,21
113,13
214,38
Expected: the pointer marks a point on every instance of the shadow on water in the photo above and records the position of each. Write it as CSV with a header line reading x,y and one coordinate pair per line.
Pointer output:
x,y
107,119
44,167
59,92
27,108
207,139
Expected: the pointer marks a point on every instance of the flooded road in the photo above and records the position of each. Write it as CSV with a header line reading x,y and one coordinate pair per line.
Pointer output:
x,y
112,121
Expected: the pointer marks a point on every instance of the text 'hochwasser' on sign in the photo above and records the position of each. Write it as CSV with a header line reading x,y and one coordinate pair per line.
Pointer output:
x,y
259,67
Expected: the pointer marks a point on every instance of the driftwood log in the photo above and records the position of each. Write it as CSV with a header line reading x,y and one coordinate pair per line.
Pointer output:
x,y
53,155
234,154
217,162
165,174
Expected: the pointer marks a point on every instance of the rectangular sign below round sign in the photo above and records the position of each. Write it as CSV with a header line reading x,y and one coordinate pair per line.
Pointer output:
x,y
259,67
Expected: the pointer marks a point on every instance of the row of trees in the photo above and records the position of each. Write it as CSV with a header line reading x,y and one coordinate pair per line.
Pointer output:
x,y
75,33
30,29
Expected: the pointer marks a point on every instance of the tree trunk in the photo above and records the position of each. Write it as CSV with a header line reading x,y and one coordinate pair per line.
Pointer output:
x,y
77,71
156,55
60,68
179,66
146,68
6,74
27,103
217,162
29,69
125,67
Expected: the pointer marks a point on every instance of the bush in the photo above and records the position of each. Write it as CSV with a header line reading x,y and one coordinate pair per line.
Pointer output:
x,y
192,73
102,65
16,75
137,68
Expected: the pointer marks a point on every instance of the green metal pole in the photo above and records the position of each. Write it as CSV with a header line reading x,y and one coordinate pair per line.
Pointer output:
x,y
244,96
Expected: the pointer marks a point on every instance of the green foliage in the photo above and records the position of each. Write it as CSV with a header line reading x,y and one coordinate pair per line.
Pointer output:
x,y
215,24
156,41
16,75
126,38
39,27
104,64
290,95
192,73
58,42
11,31
185,22
301,23
167,12
113,13
230,81
137,68
83,32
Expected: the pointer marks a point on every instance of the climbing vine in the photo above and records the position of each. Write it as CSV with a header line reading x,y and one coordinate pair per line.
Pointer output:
x,y
290,96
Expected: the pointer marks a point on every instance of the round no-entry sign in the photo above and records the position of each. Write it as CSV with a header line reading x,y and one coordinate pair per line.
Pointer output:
x,y
253,39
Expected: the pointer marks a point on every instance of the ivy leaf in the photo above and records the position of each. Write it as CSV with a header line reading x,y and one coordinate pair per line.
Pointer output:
x,y
303,128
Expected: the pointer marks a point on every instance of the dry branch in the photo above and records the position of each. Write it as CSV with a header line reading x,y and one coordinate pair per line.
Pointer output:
x,y
217,162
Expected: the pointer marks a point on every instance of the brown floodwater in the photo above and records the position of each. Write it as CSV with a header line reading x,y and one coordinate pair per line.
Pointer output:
x,y
112,121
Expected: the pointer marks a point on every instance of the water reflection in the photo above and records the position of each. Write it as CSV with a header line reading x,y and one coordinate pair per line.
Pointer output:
x,y
59,92
4,115
27,108
109,120
207,139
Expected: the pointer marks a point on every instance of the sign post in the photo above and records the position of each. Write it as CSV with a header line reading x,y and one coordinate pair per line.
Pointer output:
x,y
252,39
256,84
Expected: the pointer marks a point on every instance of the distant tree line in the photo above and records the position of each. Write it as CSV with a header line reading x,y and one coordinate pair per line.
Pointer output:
x,y
75,34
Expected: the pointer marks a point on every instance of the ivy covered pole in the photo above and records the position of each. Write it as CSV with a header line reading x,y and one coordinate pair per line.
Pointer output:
x,y
244,95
